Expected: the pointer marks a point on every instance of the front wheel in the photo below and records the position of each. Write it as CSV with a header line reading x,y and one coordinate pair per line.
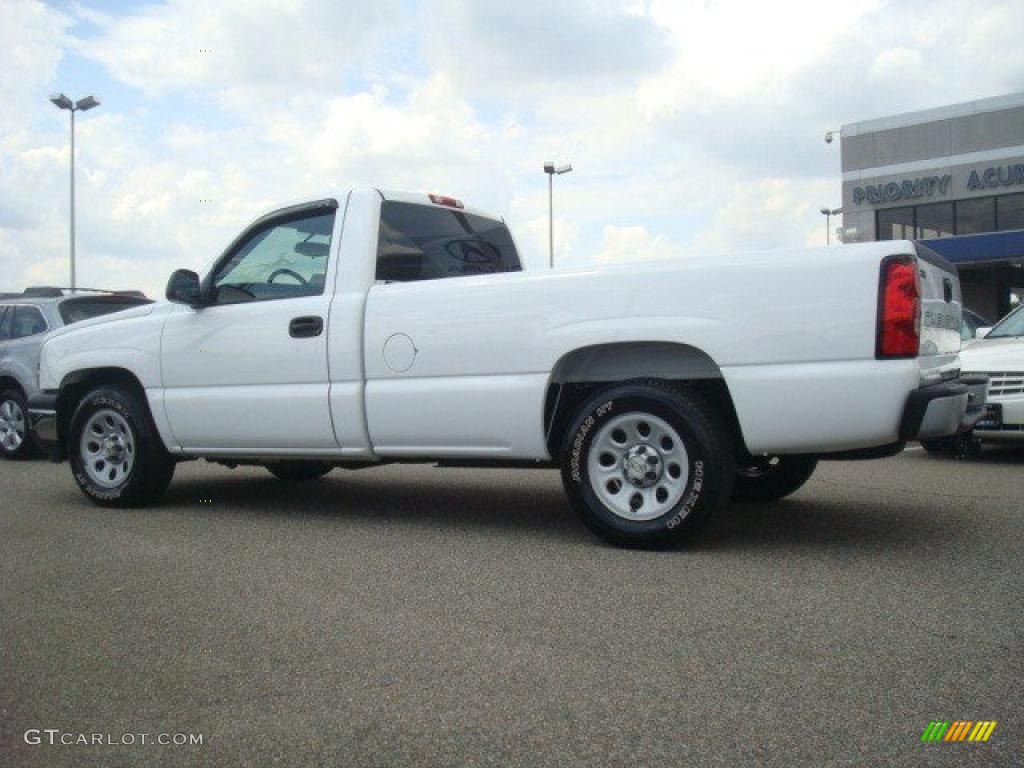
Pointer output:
x,y
117,457
645,465
771,478
15,440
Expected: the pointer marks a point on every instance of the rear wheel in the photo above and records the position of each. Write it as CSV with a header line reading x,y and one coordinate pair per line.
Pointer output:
x,y
771,478
15,440
117,457
645,465
299,471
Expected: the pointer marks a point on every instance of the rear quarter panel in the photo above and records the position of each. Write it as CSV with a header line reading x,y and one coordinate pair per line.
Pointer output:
x,y
793,332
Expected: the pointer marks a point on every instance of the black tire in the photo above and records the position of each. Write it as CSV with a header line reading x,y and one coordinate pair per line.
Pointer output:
x,y
151,468
773,478
299,471
16,444
706,451
943,446
965,446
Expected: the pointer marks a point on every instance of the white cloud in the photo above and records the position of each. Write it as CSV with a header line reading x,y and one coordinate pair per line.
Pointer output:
x,y
634,243
238,44
693,126
32,40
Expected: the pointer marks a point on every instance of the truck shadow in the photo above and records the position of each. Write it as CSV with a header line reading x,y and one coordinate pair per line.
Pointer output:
x,y
1001,454
803,524
532,503
522,502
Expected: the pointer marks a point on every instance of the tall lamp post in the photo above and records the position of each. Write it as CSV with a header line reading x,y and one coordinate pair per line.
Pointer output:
x,y
829,213
82,105
551,169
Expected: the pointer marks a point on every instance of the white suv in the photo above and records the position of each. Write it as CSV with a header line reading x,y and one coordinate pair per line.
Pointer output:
x,y
25,319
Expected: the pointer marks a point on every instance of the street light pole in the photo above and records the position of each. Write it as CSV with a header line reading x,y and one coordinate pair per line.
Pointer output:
x,y
73,283
82,105
829,213
551,221
550,169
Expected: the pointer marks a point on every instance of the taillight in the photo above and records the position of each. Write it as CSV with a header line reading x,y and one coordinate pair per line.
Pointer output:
x,y
899,308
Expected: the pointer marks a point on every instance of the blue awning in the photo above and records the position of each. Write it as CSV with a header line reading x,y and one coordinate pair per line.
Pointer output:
x,y
984,248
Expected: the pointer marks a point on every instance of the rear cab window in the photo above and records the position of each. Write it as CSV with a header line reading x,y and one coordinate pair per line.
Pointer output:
x,y
87,307
425,242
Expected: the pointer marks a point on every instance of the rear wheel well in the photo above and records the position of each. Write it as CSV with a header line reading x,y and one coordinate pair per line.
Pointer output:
x,y
565,399
582,372
77,385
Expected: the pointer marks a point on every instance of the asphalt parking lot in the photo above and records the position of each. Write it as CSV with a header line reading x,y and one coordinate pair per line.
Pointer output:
x,y
418,616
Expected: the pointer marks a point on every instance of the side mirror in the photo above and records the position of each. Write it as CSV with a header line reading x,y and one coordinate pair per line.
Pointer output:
x,y
981,333
184,288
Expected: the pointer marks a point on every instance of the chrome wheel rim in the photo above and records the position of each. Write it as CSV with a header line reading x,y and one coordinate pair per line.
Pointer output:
x,y
107,448
12,425
638,466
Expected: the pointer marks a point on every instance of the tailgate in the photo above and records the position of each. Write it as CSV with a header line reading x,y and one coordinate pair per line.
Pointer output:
x,y
940,309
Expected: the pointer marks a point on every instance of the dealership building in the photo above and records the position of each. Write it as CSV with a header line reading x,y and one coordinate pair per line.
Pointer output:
x,y
952,177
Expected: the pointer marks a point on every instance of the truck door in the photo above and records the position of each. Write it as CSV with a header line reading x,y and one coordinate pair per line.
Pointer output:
x,y
248,372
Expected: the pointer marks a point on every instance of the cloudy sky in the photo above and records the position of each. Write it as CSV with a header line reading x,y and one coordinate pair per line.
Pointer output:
x,y
692,126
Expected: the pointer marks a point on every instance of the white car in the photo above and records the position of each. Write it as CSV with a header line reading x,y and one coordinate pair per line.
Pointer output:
x,y
371,326
999,354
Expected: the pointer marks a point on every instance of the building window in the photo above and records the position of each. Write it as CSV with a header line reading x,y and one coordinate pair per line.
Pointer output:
x,y
1010,212
963,217
896,224
978,215
934,221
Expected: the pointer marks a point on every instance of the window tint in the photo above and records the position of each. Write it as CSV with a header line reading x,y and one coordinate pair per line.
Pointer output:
x,y
283,260
28,321
934,220
1011,211
421,242
978,215
76,310
5,323
896,224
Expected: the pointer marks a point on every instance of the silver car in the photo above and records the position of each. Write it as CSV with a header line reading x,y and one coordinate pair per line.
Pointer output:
x,y
25,318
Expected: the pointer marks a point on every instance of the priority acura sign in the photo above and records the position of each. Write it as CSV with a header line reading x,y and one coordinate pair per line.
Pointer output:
x,y
907,189
969,180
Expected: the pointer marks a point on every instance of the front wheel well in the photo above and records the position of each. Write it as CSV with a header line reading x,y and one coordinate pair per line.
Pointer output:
x,y
78,384
9,382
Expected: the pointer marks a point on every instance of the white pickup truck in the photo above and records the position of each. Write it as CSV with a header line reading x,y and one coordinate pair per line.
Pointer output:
x,y
372,326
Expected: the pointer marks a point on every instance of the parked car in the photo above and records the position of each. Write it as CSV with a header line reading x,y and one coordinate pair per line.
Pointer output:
x,y
24,320
1000,356
373,326
970,323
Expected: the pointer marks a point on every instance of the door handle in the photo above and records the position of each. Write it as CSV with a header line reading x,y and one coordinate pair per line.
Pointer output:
x,y
306,327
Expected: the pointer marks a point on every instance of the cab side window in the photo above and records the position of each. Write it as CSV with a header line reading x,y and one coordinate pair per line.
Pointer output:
x,y
28,321
424,242
5,323
285,259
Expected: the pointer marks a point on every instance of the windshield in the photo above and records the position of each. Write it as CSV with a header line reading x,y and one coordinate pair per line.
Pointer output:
x,y
1011,325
